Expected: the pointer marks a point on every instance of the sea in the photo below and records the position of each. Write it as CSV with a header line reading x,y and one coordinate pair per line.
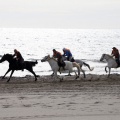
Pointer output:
x,y
35,43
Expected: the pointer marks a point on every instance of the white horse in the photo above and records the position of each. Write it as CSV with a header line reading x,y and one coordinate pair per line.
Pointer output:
x,y
111,63
68,65
80,62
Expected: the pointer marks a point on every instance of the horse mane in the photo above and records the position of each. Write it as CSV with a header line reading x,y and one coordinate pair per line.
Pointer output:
x,y
53,58
9,54
109,55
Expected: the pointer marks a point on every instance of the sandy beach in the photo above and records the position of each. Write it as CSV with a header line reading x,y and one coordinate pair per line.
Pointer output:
x,y
96,97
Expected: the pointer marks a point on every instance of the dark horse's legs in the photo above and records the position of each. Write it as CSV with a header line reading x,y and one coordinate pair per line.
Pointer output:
x,y
6,73
31,70
10,75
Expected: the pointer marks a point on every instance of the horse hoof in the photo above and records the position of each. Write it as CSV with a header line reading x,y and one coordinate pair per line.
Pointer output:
x,y
77,77
61,79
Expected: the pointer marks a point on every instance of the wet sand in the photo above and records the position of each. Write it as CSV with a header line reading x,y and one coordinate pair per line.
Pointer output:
x,y
95,98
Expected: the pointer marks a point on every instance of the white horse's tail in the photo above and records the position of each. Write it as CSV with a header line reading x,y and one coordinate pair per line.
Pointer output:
x,y
77,66
90,68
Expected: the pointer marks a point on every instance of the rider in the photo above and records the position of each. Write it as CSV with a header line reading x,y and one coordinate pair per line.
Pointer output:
x,y
19,58
58,55
68,54
115,53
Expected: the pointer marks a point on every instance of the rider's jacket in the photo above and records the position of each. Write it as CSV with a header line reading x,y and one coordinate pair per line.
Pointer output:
x,y
115,53
67,53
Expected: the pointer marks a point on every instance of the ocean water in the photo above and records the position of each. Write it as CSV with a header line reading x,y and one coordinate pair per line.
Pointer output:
x,y
85,44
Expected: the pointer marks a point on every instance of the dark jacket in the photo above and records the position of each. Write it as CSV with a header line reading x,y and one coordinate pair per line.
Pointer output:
x,y
115,53
18,56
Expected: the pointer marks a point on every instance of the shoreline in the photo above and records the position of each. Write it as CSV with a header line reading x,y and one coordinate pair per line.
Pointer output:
x,y
48,83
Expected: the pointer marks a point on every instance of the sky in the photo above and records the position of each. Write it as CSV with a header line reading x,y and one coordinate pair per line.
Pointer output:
x,y
73,14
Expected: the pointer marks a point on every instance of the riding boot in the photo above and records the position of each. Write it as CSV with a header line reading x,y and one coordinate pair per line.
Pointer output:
x,y
59,70
117,61
63,65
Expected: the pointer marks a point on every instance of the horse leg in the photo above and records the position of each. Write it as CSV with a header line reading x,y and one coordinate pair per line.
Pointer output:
x,y
77,76
56,76
31,70
69,74
106,69
52,74
10,75
109,72
83,72
77,65
6,73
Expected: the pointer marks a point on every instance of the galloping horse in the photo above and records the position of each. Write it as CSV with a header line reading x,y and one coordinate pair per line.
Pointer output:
x,y
68,65
111,63
13,66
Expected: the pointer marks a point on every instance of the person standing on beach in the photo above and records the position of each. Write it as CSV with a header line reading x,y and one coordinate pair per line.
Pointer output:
x,y
17,55
115,53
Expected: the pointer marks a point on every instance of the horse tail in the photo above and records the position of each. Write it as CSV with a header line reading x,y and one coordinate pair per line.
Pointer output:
x,y
77,66
34,63
91,69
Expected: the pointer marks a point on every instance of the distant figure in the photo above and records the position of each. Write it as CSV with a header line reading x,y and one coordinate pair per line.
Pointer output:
x,y
67,53
115,53
17,55
58,55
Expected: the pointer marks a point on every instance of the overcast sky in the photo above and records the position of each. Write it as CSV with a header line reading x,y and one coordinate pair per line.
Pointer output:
x,y
83,14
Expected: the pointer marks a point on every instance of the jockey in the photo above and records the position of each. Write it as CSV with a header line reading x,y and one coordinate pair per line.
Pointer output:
x,y
58,55
115,53
18,57
67,53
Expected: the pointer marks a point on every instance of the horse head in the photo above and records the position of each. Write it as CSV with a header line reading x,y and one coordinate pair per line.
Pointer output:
x,y
102,57
7,57
46,58
106,57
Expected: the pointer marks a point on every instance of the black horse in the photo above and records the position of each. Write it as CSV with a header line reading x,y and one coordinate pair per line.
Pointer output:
x,y
13,66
